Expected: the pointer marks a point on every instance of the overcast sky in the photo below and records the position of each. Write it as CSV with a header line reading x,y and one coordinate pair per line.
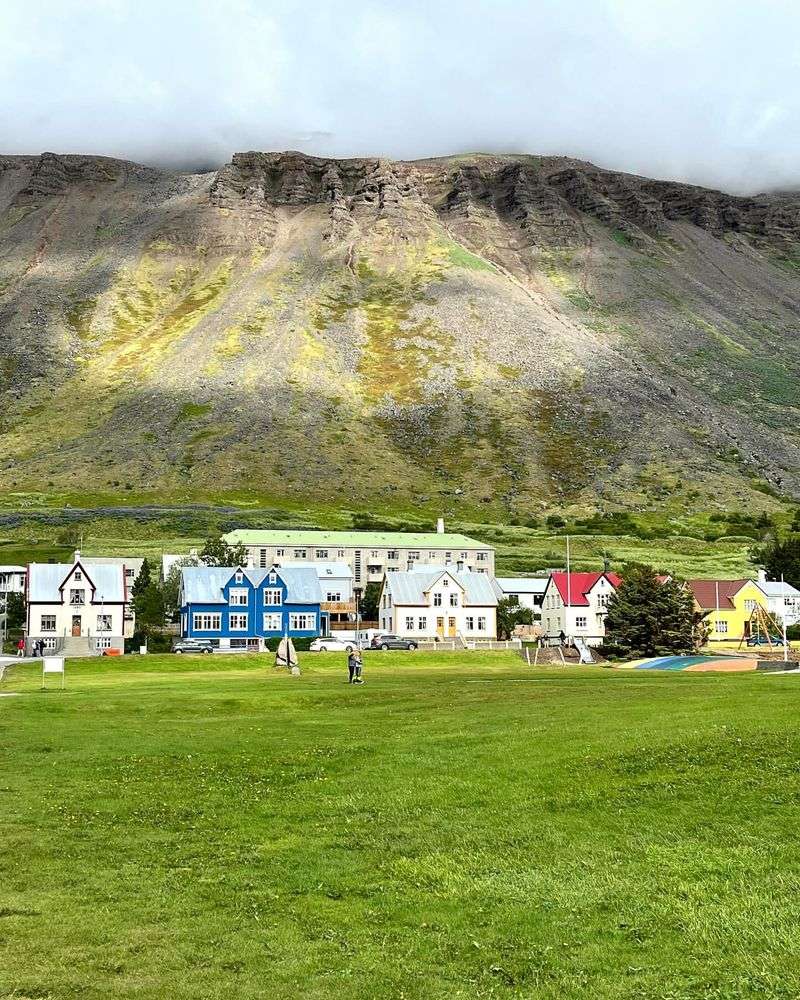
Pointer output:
x,y
704,90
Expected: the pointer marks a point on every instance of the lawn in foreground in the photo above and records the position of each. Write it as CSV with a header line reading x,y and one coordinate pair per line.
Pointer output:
x,y
457,827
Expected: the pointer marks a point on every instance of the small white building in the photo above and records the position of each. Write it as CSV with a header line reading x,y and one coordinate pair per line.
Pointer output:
x,y
80,608
526,591
443,603
783,600
575,604
12,581
336,584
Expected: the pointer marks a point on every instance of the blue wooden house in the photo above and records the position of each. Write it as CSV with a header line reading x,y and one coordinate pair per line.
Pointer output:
x,y
239,608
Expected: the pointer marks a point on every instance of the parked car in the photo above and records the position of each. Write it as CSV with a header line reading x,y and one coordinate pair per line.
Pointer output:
x,y
762,640
193,646
330,644
386,641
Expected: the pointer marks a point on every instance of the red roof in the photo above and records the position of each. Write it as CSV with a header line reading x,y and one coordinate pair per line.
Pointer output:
x,y
579,586
705,592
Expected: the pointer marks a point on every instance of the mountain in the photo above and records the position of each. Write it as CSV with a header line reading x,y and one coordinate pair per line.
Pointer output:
x,y
481,332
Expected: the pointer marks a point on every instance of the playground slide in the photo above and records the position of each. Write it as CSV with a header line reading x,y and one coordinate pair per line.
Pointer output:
x,y
583,650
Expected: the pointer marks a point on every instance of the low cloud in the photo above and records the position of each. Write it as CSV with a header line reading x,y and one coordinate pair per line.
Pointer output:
x,y
698,91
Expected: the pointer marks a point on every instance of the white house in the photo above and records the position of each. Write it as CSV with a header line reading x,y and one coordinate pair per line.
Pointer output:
x,y
336,584
425,603
783,600
79,608
526,591
576,604
12,581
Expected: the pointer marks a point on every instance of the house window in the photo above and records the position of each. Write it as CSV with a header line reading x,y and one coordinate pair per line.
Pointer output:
x,y
239,577
302,621
273,621
413,555
454,600
272,578
273,598
322,554
392,554
464,555
445,582
602,600
77,576
204,622
750,605
409,624
262,559
48,623
720,627
437,600
431,555
481,624
422,624
481,557
76,597
335,596
104,623
299,553
373,554
280,552
103,642
581,621
448,556
470,623
340,554
238,598
237,622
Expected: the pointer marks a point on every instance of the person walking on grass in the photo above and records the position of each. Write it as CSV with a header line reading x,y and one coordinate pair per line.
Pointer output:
x,y
21,647
354,667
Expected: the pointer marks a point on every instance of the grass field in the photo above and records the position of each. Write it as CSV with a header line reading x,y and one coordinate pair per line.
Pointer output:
x,y
457,827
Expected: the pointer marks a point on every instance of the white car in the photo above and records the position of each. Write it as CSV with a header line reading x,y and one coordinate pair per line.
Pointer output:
x,y
330,644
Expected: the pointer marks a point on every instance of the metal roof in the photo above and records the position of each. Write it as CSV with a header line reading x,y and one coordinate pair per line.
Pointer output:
x,y
324,570
410,588
204,584
523,584
354,539
45,579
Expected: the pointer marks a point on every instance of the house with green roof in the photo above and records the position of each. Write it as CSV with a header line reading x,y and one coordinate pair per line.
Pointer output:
x,y
369,554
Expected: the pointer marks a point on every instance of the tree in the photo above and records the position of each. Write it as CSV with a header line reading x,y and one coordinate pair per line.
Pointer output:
x,y
647,617
15,611
780,558
510,614
149,607
217,552
171,587
369,602
142,581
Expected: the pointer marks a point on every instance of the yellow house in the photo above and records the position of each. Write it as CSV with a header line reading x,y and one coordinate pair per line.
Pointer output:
x,y
727,606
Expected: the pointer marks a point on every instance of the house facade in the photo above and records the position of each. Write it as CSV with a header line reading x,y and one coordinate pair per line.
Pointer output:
x,y
727,606
576,604
12,581
336,585
525,591
78,608
438,603
239,608
369,554
783,600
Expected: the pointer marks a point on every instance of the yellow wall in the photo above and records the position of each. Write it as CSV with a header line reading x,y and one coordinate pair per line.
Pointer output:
x,y
735,617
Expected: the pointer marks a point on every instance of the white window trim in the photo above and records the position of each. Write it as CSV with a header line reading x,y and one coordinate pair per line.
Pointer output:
x,y
238,614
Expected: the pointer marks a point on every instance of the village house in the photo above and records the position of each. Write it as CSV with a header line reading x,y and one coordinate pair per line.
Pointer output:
x,y
12,581
783,600
240,608
438,603
79,608
576,604
338,606
525,591
369,554
727,607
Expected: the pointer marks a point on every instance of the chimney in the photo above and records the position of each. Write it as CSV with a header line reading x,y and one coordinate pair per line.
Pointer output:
x,y
77,556
440,526
762,576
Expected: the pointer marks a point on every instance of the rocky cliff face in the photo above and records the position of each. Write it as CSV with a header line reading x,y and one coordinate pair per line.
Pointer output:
x,y
485,330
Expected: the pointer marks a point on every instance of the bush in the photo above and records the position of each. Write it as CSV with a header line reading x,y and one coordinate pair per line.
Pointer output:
x,y
554,521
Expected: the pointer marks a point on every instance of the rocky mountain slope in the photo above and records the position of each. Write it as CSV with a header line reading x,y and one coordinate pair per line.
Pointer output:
x,y
512,331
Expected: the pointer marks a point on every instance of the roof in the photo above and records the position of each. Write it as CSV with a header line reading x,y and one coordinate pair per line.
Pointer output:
x,y
324,570
354,539
204,584
522,584
573,592
410,588
130,562
708,593
45,579
772,588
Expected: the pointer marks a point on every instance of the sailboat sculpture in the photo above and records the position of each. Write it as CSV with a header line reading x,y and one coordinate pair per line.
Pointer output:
x,y
286,655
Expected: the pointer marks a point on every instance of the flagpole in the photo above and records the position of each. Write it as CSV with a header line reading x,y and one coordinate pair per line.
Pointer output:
x,y
569,594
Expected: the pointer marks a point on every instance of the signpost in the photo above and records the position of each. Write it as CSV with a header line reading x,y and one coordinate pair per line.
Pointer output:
x,y
52,665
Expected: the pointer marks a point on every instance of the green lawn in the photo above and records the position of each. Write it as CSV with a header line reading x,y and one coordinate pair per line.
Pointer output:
x,y
460,826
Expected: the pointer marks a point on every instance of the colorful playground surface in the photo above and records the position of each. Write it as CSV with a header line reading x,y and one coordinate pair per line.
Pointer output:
x,y
696,663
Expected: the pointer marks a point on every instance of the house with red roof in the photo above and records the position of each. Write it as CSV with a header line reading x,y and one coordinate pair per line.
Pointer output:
x,y
576,604
728,606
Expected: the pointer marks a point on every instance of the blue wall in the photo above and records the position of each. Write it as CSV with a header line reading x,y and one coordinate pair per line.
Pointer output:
x,y
254,609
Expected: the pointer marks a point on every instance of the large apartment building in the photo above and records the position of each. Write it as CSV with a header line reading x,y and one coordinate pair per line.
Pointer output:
x,y
369,554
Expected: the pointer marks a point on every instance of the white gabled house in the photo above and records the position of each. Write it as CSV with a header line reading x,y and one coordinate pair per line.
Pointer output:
x,y
576,604
443,603
80,608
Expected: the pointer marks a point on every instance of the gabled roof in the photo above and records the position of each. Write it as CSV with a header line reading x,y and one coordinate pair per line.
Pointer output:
x,y
579,586
45,581
522,584
772,588
411,588
204,584
706,592
324,570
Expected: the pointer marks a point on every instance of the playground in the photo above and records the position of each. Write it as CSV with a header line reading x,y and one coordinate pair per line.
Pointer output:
x,y
183,827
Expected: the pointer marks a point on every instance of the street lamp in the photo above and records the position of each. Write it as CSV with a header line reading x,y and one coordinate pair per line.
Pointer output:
x,y
357,592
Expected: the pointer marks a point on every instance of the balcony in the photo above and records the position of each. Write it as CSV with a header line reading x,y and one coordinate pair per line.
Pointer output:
x,y
339,607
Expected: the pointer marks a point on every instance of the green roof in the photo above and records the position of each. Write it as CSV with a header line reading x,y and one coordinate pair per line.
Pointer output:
x,y
354,539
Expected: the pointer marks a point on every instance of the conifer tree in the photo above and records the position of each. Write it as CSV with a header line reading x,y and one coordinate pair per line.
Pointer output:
x,y
647,617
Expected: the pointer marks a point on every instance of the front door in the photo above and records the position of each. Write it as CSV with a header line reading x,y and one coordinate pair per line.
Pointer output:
x,y
451,627
440,627
76,625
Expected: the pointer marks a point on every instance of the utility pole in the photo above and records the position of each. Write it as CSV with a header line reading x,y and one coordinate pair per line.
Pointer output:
x,y
783,621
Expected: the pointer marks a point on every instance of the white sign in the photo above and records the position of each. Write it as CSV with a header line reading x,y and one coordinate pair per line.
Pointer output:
x,y
53,665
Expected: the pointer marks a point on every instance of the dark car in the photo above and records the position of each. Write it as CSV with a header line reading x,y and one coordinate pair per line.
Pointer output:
x,y
392,642
193,646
